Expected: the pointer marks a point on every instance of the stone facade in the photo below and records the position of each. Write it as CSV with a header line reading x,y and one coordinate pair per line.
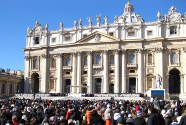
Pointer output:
x,y
11,82
126,56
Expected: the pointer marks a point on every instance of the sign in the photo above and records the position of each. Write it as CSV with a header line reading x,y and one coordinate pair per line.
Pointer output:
x,y
158,94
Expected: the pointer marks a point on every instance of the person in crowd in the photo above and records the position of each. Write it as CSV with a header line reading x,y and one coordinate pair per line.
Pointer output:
x,y
130,120
139,120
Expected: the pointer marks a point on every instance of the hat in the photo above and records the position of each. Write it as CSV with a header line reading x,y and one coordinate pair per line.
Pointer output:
x,y
24,117
122,112
108,106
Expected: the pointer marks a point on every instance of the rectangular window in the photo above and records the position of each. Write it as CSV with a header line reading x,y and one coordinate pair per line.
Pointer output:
x,y
111,33
67,37
67,73
149,33
53,40
131,33
173,30
132,71
36,40
111,71
84,35
84,72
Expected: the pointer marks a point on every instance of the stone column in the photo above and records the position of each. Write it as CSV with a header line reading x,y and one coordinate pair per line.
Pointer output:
x,y
7,88
124,75
27,74
74,75
182,84
59,68
116,85
105,75
140,72
184,68
89,72
79,72
44,73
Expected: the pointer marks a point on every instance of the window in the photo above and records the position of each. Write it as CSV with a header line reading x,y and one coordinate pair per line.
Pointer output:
x,y
53,63
174,58
84,72
52,83
111,33
35,63
132,71
150,58
149,33
67,37
131,33
67,73
67,61
36,40
111,60
111,71
98,60
11,89
84,35
133,19
85,61
3,89
53,40
132,59
173,30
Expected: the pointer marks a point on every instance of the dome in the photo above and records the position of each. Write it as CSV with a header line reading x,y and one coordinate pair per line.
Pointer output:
x,y
128,8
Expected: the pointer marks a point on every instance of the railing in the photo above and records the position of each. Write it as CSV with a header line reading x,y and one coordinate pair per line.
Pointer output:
x,y
67,67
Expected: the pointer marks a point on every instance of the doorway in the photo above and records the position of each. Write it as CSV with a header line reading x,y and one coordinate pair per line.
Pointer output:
x,y
174,81
98,85
35,83
132,85
67,85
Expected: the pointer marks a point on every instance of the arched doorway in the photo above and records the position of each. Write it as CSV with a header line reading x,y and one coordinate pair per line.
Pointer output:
x,y
174,81
35,83
111,88
84,88
67,85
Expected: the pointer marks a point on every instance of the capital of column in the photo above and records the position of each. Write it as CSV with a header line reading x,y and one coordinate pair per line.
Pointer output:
x,y
139,50
105,51
58,55
44,56
158,50
123,51
27,58
79,53
89,52
117,51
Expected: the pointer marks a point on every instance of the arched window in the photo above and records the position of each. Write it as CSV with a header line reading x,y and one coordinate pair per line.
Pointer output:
x,y
67,61
133,19
111,60
132,59
53,63
174,58
98,60
85,61
150,58
35,63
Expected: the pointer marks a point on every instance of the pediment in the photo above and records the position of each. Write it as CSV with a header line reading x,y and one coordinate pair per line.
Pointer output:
x,y
98,37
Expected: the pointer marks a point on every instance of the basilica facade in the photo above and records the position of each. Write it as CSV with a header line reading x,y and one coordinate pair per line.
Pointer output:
x,y
128,55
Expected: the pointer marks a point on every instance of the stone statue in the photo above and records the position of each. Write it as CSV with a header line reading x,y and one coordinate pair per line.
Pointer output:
x,y
158,16
46,27
158,81
90,21
75,23
61,25
80,22
115,19
98,19
106,20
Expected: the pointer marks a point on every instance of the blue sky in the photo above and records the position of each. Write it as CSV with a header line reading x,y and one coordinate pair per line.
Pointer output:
x,y
17,15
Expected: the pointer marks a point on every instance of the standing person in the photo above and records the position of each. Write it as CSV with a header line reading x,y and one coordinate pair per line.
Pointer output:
x,y
96,119
108,115
183,119
139,120
88,115
153,118
121,120
116,116
130,120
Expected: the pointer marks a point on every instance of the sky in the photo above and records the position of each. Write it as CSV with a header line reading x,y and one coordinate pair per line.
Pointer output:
x,y
17,15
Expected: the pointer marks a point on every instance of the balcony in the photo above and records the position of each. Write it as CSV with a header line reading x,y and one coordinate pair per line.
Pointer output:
x,y
132,65
67,67
97,66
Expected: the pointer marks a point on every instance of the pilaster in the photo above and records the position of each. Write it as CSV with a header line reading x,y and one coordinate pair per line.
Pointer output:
x,y
89,72
78,72
124,69
105,75
116,85
59,73
44,73
74,73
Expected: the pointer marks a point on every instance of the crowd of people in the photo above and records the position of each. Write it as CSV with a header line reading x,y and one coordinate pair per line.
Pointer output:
x,y
91,112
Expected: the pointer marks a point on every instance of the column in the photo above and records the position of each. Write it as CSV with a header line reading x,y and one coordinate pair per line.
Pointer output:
x,y
79,72
124,75
105,76
140,72
184,68
182,84
89,72
44,73
74,76
26,74
116,85
7,88
59,68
